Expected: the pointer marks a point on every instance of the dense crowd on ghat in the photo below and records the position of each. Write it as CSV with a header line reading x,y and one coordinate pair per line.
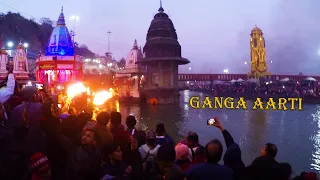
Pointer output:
x,y
290,88
38,143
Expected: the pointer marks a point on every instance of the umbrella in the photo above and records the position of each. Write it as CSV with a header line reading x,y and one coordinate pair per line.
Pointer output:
x,y
240,80
285,80
310,79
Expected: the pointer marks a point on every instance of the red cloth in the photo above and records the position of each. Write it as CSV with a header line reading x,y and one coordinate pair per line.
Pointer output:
x,y
121,137
310,176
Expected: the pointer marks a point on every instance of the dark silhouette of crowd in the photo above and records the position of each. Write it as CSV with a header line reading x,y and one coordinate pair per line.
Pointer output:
x,y
39,143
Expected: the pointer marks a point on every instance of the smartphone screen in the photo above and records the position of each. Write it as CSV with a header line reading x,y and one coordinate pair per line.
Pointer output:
x,y
132,133
211,122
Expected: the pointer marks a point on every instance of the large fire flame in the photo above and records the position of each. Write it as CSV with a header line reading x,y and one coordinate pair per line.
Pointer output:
x,y
101,97
76,89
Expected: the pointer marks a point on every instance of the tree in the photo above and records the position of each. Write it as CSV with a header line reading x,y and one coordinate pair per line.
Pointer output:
x,y
46,21
84,46
121,63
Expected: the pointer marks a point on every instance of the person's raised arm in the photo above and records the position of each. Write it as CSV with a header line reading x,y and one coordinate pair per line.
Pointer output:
x,y
226,135
7,91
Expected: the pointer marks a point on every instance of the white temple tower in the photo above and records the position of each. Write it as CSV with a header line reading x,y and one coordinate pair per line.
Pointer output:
x,y
20,62
3,60
128,79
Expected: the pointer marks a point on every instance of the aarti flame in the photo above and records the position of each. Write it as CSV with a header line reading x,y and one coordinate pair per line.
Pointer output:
x,y
76,89
101,97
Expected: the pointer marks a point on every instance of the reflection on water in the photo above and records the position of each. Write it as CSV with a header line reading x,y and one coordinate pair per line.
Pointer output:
x,y
296,133
316,139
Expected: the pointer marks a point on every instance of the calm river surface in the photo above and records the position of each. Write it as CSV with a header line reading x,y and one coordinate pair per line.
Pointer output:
x,y
296,133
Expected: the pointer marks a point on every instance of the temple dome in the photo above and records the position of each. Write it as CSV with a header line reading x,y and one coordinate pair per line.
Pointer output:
x,y
134,55
162,39
60,42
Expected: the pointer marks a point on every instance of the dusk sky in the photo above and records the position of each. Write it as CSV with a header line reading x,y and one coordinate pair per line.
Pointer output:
x,y
214,34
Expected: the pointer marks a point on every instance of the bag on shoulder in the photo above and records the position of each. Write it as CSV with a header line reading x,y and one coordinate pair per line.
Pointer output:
x,y
149,167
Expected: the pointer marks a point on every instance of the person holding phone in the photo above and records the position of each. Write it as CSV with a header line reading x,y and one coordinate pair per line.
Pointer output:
x,y
232,158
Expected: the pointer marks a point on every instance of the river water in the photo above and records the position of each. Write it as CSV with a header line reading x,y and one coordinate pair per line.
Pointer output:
x,y
296,133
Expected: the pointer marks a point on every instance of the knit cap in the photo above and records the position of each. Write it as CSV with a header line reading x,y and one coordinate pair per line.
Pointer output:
x,y
182,152
40,164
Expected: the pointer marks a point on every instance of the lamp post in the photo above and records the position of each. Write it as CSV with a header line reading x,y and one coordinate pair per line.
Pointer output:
x,y
74,19
226,71
109,41
26,45
10,44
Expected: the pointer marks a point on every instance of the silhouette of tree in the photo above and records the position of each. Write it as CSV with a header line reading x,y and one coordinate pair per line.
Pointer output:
x,y
46,21
14,27
84,46
121,63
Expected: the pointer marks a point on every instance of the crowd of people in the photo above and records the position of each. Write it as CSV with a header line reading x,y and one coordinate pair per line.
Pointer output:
x,y
39,143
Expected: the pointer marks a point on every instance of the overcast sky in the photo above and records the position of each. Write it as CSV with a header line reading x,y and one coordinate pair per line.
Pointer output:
x,y
214,34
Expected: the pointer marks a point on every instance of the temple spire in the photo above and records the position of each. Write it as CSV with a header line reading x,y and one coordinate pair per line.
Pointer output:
x,y
135,44
161,8
61,20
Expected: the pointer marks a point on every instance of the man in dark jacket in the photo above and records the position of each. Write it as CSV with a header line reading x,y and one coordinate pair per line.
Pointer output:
x,y
84,161
211,169
232,158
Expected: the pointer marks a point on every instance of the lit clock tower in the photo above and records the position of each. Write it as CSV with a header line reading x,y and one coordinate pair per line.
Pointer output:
x,y
258,54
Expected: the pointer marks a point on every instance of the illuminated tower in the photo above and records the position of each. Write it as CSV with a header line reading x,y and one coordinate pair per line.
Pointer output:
x,y
258,54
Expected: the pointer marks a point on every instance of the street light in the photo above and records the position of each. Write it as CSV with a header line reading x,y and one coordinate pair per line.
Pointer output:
x,y
226,71
74,19
245,62
10,44
25,45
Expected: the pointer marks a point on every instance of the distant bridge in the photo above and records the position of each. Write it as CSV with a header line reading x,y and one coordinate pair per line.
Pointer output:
x,y
229,77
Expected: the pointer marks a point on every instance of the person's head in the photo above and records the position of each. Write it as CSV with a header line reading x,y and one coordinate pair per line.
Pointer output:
x,y
131,122
72,111
151,137
115,119
29,93
90,137
166,156
83,118
213,151
160,130
192,139
103,118
270,150
182,152
112,152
